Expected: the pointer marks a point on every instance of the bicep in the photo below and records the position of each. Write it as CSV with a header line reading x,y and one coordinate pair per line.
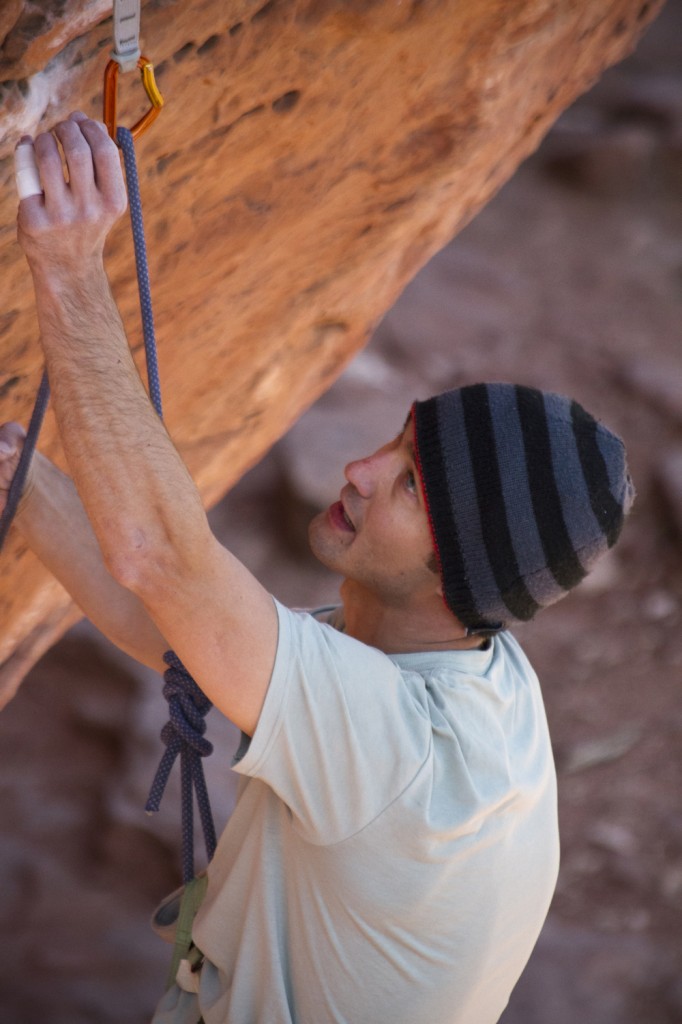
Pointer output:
x,y
222,624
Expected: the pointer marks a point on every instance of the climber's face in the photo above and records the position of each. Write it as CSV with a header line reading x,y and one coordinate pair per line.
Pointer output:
x,y
377,535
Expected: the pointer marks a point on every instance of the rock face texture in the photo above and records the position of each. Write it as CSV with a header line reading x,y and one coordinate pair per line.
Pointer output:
x,y
311,158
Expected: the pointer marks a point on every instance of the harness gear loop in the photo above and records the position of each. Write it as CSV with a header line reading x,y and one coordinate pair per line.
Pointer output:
x,y
184,949
150,87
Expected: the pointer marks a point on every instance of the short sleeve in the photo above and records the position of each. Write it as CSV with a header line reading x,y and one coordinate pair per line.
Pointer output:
x,y
342,732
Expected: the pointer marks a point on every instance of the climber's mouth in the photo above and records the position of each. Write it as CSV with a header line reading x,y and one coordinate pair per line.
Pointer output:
x,y
339,517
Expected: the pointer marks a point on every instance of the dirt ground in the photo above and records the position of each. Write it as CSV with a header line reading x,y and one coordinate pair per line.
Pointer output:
x,y
571,279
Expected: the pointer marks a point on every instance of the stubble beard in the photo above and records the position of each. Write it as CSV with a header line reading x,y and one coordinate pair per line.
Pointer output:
x,y
394,591
321,542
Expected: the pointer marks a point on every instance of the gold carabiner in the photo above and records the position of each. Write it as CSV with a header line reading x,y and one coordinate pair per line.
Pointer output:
x,y
150,87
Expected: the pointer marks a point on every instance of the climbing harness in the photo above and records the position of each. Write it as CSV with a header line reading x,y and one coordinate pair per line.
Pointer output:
x,y
172,922
188,705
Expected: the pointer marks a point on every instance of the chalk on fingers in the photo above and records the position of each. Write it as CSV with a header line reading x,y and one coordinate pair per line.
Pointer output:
x,y
26,171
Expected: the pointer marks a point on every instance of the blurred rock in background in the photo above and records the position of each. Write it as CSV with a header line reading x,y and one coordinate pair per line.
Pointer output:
x,y
570,280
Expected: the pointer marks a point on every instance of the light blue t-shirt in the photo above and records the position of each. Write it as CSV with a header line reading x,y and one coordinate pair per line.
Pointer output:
x,y
394,847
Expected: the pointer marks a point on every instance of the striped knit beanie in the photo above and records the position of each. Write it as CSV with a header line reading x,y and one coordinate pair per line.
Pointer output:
x,y
524,490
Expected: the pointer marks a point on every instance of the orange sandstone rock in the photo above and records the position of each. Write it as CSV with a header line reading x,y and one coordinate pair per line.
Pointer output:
x,y
312,156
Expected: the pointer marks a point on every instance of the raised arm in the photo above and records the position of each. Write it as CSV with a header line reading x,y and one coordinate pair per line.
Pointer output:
x,y
144,509
53,522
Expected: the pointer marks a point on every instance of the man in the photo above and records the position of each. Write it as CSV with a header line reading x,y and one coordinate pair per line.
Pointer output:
x,y
394,847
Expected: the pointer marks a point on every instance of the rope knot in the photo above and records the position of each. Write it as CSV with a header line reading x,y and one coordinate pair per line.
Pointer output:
x,y
183,735
188,705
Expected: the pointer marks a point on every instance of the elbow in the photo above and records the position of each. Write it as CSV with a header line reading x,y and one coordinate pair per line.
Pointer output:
x,y
134,561
152,562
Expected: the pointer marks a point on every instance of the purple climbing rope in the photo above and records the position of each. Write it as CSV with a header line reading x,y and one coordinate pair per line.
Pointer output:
x,y
183,735
21,472
125,141
188,705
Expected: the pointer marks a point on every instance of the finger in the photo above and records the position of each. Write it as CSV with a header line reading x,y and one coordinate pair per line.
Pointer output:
x,y
78,158
26,172
50,167
107,162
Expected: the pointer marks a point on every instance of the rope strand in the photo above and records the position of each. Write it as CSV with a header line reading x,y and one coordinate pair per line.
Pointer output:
x,y
21,472
125,141
183,735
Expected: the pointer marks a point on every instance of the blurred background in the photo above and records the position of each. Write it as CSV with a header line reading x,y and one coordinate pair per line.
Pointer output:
x,y
570,280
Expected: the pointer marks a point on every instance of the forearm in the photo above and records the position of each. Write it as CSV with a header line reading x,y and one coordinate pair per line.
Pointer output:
x,y
113,440
137,494
52,520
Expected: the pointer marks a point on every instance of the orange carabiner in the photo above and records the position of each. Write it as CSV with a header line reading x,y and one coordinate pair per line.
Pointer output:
x,y
150,87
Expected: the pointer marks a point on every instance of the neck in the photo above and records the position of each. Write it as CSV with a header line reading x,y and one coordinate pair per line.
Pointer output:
x,y
424,624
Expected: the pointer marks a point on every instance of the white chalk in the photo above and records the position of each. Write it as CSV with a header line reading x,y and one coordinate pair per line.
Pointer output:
x,y
26,171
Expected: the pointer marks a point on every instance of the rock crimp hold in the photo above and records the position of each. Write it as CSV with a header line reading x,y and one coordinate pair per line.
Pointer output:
x,y
312,156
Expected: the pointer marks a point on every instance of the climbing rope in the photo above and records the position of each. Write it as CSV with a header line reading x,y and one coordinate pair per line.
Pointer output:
x,y
19,479
188,705
124,137
183,735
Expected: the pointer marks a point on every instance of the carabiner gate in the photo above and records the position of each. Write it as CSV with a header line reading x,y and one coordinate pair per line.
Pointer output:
x,y
150,87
